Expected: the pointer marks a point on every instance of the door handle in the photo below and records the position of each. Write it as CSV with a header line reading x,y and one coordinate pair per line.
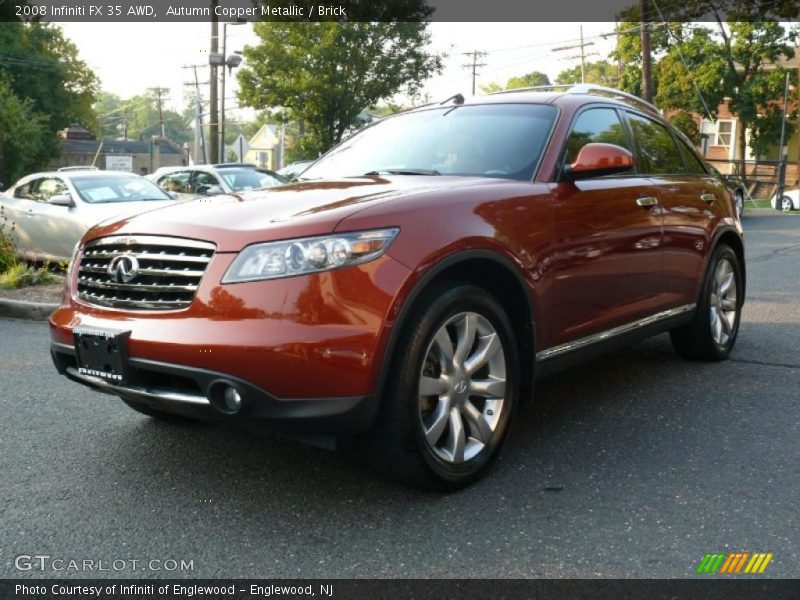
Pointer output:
x,y
647,201
709,198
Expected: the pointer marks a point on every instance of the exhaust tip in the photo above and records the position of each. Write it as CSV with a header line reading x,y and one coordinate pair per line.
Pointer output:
x,y
225,397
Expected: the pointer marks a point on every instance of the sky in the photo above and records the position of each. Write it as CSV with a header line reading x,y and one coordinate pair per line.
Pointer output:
x,y
153,55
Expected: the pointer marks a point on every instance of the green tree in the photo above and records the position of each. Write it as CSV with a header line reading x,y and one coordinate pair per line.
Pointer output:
x,y
325,74
696,67
42,69
683,122
21,133
532,79
600,72
141,113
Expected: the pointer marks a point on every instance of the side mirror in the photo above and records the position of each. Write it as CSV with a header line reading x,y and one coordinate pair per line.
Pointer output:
x,y
598,159
62,200
210,190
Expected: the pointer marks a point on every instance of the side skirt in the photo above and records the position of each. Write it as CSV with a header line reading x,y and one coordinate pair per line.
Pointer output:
x,y
561,357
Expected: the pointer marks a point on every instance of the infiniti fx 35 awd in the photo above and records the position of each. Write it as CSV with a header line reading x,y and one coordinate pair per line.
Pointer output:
x,y
410,287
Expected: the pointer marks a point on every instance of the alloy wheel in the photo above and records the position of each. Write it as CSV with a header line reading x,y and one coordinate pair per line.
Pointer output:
x,y
786,204
723,302
462,387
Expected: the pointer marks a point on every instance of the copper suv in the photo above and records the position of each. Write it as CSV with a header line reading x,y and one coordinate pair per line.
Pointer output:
x,y
414,282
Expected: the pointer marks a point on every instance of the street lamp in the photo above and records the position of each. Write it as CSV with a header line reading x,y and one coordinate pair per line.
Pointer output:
x,y
232,61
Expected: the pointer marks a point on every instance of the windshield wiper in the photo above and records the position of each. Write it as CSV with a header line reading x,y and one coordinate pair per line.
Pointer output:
x,y
401,172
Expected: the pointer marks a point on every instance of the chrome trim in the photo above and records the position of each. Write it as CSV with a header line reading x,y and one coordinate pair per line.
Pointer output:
x,y
153,240
153,393
610,333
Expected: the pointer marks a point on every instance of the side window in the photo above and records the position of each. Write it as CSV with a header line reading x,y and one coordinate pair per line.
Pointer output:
x,y
660,154
203,181
49,188
595,125
693,164
25,191
176,182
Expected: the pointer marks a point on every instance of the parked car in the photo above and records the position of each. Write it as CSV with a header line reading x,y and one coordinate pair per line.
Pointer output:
x,y
790,200
413,287
291,171
736,187
52,210
211,180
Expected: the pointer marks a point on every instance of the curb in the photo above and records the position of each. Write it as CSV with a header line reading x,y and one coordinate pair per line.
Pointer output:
x,y
24,309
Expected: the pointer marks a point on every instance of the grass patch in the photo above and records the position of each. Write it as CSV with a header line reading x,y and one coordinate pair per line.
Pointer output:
x,y
21,275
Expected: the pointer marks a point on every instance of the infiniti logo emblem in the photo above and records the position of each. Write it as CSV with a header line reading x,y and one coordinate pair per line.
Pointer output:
x,y
461,387
123,268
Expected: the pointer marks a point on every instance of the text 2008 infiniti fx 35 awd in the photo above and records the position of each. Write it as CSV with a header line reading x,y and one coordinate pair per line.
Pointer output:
x,y
416,280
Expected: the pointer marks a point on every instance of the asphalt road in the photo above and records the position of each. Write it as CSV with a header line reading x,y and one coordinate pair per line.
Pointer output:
x,y
635,465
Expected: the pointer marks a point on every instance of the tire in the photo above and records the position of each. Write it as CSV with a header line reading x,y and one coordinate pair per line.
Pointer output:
x,y
738,199
159,415
786,204
712,332
432,432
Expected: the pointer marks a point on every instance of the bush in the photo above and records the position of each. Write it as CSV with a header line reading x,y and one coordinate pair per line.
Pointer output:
x,y
8,246
21,275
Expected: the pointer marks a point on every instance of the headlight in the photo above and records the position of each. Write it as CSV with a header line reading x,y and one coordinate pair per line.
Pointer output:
x,y
308,255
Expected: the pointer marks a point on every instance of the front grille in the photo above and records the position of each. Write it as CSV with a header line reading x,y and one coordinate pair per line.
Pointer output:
x,y
147,272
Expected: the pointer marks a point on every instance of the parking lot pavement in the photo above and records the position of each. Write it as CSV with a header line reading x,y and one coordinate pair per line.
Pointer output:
x,y
635,465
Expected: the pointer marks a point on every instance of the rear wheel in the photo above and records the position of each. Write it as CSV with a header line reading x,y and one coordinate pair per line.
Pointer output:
x,y
738,198
786,204
712,333
452,390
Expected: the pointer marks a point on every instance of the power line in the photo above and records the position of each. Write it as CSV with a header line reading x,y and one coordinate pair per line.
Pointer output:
x,y
475,54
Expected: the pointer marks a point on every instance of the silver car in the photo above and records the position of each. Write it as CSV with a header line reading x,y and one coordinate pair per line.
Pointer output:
x,y
51,211
210,180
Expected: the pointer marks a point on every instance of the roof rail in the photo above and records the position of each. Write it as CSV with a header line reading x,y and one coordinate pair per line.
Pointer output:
x,y
534,88
599,90
588,88
79,168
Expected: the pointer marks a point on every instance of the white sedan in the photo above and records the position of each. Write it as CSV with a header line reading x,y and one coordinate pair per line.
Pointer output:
x,y
51,211
789,201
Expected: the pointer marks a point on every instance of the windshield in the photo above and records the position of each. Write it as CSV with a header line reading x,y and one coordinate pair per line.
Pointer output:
x,y
117,188
491,140
241,180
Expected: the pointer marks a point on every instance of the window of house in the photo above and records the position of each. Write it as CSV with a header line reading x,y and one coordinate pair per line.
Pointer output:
x,y
719,133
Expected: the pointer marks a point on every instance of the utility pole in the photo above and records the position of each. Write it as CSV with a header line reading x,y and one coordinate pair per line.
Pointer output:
x,y
475,54
125,125
782,150
647,79
199,136
582,45
213,125
158,91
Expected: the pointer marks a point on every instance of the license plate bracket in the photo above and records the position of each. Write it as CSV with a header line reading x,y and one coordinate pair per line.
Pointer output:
x,y
102,353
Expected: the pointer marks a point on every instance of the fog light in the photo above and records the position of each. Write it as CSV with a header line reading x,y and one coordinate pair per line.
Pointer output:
x,y
233,400
225,397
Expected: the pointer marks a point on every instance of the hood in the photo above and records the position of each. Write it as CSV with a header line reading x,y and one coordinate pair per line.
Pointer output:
x,y
233,221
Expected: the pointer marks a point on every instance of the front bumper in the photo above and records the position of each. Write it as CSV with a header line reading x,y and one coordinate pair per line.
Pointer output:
x,y
185,390
304,352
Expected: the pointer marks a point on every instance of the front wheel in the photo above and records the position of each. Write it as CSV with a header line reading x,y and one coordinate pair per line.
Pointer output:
x,y
712,333
786,204
452,390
